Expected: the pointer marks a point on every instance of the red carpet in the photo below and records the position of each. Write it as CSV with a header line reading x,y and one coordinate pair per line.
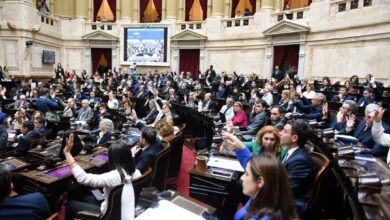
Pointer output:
x,y
183,181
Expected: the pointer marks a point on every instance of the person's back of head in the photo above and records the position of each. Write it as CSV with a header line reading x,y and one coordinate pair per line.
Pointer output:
x,y
149,134
5,183
120,158
274,197
29,125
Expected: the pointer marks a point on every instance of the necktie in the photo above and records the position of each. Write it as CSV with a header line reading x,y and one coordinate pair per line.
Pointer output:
x,y
285,158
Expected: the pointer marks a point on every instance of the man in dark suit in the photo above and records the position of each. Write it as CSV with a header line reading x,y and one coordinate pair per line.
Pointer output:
x,y
368,97
142,93
149,146
342,96
206,104
31,206
301,168
86,113
277,117
258,117
152,114
44,103
362,131
21,103
278,74
24,142
313,111
172,97
3,133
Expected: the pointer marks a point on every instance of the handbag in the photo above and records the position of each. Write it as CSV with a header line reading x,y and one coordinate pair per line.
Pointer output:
x,y
52,117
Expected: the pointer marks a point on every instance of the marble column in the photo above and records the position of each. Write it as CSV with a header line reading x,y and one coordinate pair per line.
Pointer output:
x,y
258,5
81,9
278,5
118,9
217,8
227,8
209,5
267,4
89,10
171,9
126,7
180,16
135,14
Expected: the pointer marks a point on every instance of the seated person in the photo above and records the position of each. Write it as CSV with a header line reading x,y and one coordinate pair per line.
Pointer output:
x,y
239,119
153,112
277,117
77,144
31,132
342,96
85,113
362,131
368,97
258,117
122,170
148,147
301,168
313,111
227,109
172,97
106,127
377,131
267,95
206,104
347,110
165,130
31,206
69,108
21,103
3,133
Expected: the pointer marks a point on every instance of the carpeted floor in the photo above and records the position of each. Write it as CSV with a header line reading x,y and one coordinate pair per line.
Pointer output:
x,y
187,163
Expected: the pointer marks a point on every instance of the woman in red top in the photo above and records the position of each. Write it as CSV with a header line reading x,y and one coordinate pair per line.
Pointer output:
x,y
239,119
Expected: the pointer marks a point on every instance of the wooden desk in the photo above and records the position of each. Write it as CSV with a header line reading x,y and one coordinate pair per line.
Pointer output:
x,y
207,188
96,159
14,164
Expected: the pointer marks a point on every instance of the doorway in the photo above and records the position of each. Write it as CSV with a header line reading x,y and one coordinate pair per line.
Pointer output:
x,y
189,61
286,57
101,60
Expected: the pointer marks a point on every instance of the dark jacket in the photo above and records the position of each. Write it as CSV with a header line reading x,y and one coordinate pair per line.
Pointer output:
x,y
146,158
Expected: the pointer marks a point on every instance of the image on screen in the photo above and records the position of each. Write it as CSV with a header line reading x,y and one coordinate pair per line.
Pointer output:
x,y
59,172
145,45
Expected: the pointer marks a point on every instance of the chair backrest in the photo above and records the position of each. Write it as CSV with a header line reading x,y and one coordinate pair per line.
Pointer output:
x,y
143,181
113,211
176,155
322,163
161,165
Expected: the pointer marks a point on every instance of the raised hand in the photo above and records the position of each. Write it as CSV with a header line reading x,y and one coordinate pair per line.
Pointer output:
x,y
378,115
69,144
232,140
340,116
351,121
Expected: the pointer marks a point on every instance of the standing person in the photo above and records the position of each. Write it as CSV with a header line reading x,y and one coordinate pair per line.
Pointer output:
x,y
122,171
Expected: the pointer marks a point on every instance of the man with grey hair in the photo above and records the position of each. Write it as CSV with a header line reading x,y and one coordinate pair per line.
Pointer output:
x,y
227,109
313,111
348,109
267,95
206,104
362,131
85,113
106,127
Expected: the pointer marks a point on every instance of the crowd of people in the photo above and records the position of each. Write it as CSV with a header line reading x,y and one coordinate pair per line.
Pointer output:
x,y
279,171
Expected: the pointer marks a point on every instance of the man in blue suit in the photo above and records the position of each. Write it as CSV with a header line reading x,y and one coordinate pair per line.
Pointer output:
x,y
149,146
368,97
301,168
44,103
342,96
313,111
362,132
31,206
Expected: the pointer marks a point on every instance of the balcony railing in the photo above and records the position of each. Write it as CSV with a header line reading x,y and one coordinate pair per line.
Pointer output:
x,y
48,21
238,22
191,25
348,5
104,26
294,14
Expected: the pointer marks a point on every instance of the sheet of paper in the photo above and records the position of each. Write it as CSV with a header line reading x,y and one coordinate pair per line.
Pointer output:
x,y
168,210
223,163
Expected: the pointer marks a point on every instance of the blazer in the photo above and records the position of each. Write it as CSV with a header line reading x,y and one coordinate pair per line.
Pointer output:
x,y
85,115
106,137
45,104
151,116
256,122
144,94
3,139
239,119
146,158
31,206
366,139
363,102
312,112
25,142
301,170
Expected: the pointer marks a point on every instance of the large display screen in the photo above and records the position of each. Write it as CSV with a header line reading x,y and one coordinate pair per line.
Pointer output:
x,y
146,45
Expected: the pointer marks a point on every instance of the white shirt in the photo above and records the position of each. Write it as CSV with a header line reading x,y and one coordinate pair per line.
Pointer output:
x,y
268,98
229,114
106,180
113,104
289,153
380,137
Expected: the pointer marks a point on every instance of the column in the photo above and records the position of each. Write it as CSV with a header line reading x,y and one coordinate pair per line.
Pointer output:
x,y
163,15
278,5
267,4
51,6
90,11
118,9
258,5
227,8
136,12
209,8
217,8
81,9
126,7
171,9
180,16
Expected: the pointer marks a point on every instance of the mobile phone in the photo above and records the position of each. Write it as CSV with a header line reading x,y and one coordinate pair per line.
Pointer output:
x,y
97,194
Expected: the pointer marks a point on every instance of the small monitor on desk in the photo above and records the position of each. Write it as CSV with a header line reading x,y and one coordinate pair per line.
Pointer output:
x,y
58,172
131,139
15,164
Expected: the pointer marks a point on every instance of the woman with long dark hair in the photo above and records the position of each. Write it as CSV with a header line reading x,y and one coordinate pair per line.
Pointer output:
x,y
122,171
265,181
